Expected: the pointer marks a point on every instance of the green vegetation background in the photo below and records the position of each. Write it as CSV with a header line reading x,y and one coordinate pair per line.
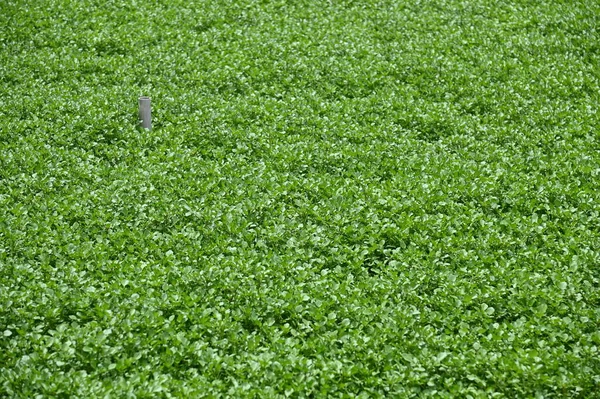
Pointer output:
x,y
339,198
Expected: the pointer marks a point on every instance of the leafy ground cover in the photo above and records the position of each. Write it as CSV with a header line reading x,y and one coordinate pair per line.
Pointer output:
x,y
344,198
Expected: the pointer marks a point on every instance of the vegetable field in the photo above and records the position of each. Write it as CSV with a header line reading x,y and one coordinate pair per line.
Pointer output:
x,y
370,198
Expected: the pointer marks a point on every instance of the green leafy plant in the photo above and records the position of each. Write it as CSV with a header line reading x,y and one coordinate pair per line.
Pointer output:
x,y
337,199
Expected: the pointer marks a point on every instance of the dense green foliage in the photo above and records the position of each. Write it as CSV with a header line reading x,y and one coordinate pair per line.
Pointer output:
x,y
338,198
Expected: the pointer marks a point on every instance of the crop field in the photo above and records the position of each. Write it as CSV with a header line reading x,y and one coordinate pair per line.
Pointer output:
x,y
370,198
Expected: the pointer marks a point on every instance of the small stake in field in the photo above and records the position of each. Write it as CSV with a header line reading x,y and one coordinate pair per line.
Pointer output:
x,y
145,113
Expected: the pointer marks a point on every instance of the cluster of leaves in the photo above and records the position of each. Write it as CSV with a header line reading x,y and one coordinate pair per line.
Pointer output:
x,y
343,198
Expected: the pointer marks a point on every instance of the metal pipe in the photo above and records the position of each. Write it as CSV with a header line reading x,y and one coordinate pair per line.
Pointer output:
x,y
145,113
